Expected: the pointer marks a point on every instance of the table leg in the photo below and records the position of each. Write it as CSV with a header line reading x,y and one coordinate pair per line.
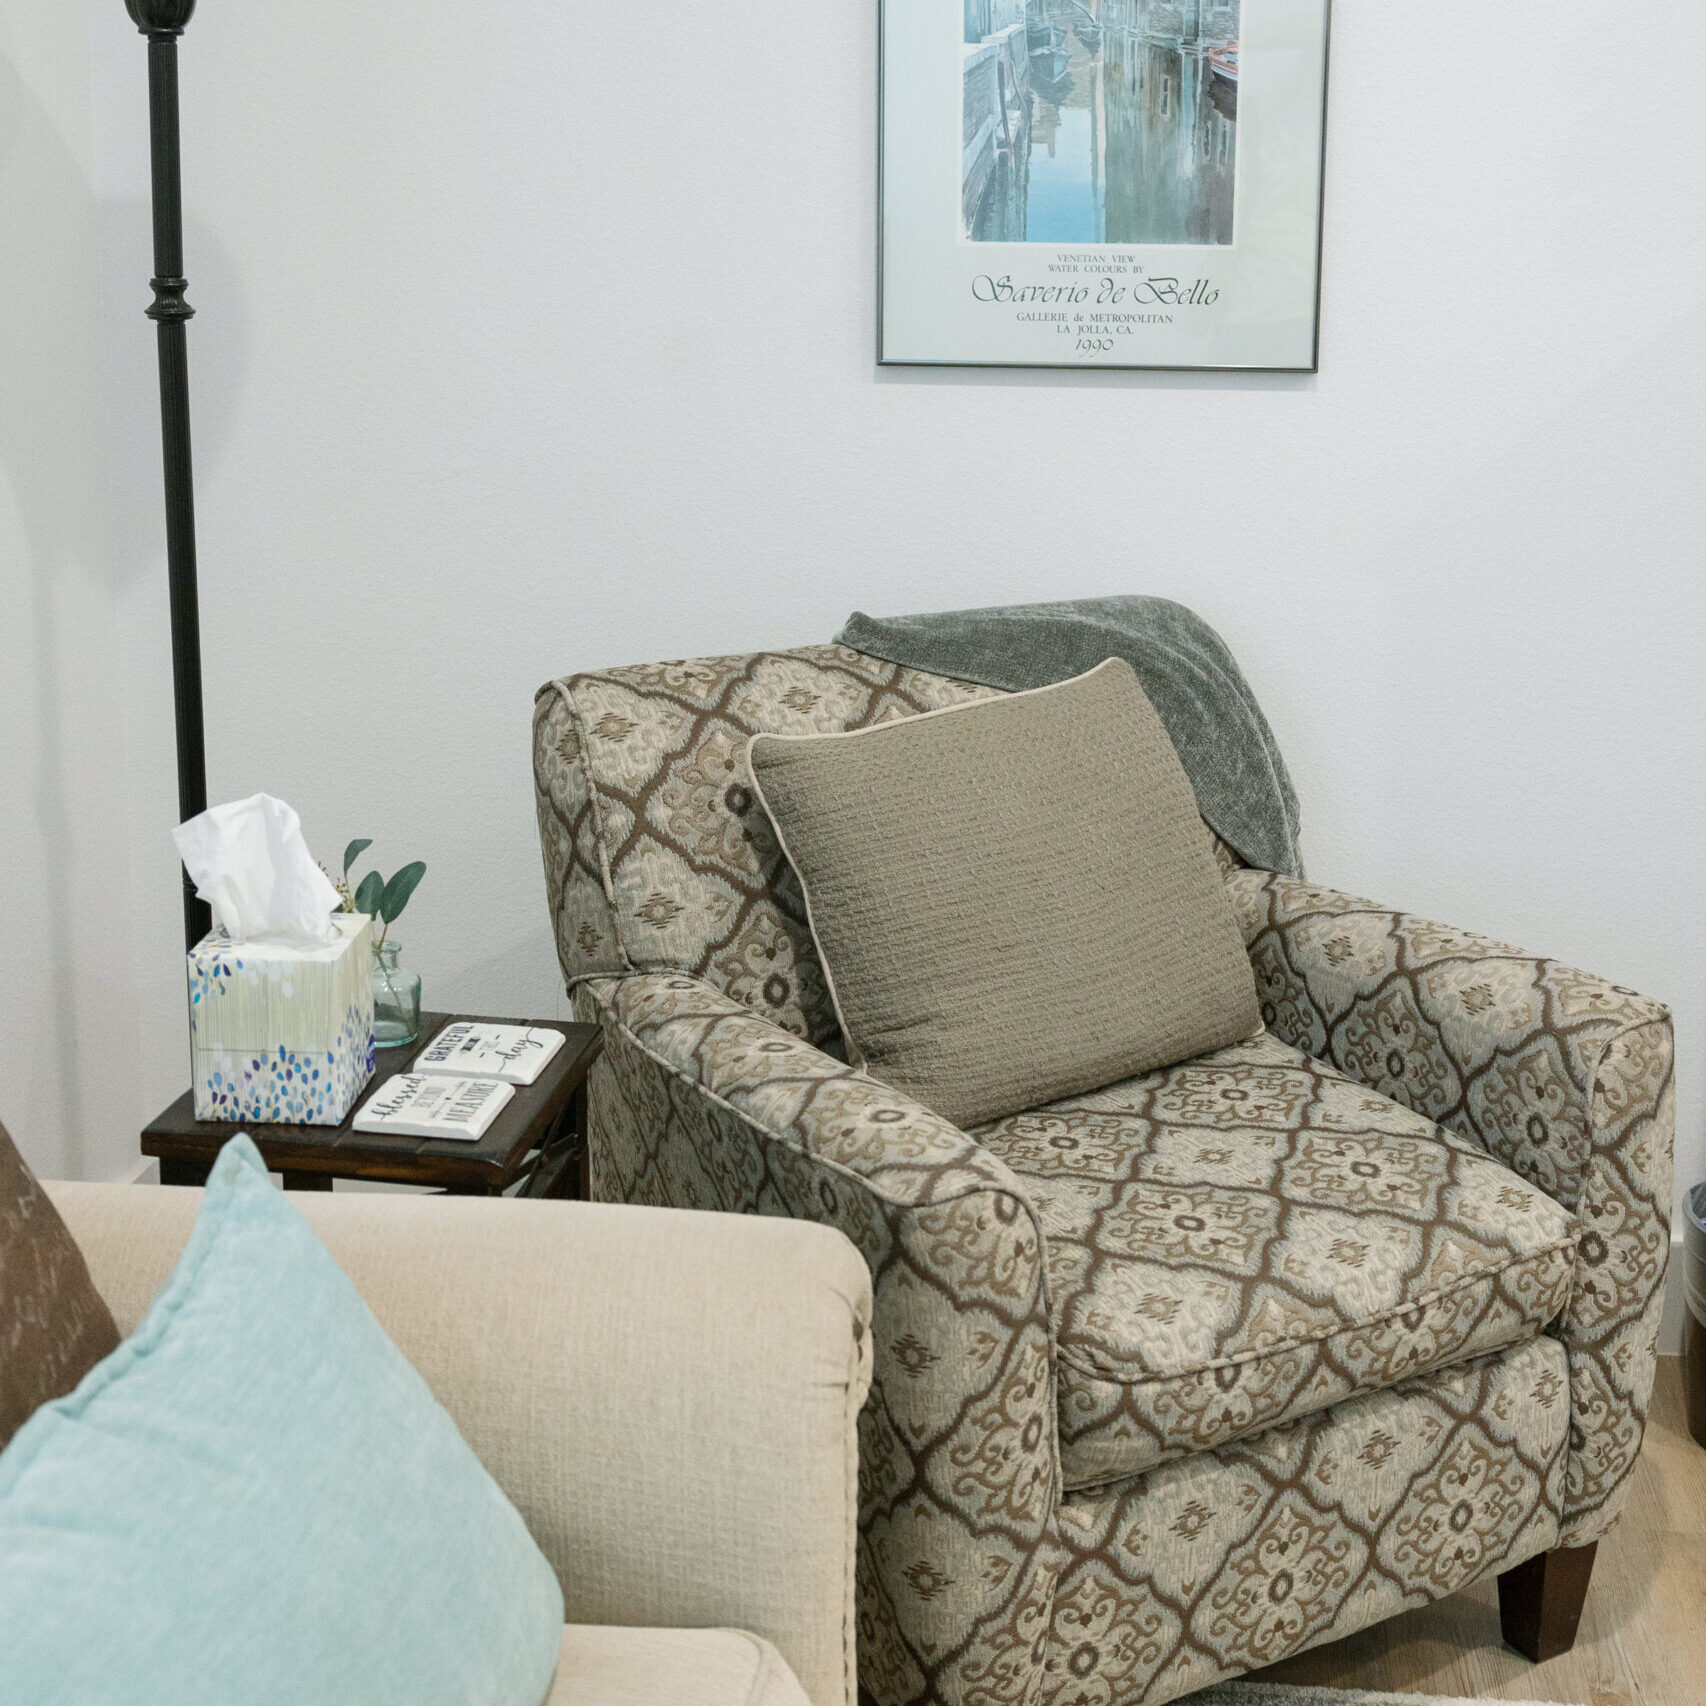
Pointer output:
x,y
183,1172
571,1180
583,1167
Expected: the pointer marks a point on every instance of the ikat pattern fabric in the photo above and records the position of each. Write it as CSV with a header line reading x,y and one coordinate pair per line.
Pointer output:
x,y
1249,1237
1564,1078
980,1584
697,1102
1223,1562
658,857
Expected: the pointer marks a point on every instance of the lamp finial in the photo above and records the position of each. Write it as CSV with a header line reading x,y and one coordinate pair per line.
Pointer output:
x,y
160,17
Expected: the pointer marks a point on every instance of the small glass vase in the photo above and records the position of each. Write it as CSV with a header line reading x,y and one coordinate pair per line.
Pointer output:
x,y
396,999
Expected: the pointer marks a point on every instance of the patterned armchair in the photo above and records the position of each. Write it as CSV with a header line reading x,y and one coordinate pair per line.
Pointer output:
x,y
1177,1378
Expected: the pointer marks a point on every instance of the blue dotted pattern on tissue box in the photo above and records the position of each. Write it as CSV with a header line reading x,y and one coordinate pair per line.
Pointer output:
x,y
277,1037
288,1086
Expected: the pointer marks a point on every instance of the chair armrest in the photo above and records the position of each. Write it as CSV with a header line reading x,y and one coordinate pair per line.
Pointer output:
x,y
1565,1078
669,1399
697,1101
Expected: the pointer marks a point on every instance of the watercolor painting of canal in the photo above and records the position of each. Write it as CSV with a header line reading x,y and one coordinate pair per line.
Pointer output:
x,y
1099,121
1102,183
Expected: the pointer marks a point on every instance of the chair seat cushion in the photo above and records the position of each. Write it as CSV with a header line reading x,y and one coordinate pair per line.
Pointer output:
x,y
670,1667
1250,1237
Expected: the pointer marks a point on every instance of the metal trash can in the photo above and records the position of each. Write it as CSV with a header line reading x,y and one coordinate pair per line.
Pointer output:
x,y
1694,1291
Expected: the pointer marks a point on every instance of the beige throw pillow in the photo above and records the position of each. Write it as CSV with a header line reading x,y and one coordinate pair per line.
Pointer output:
x,y
1015,900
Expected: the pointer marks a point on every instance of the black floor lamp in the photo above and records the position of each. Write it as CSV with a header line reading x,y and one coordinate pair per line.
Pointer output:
x,y
162,22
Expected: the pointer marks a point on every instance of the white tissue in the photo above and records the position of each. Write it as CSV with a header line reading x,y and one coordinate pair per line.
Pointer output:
x,y
250,864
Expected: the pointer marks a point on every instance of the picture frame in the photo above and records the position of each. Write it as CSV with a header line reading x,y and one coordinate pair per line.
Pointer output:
x,y
1102,183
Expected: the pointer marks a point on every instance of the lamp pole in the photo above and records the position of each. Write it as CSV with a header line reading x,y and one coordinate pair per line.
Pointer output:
x,y
162,22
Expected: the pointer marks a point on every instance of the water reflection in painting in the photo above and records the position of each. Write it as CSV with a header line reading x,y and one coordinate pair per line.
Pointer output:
x,y
1099,121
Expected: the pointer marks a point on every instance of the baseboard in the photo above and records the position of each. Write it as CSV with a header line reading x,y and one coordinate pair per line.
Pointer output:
x,y
386,1186
1670,1323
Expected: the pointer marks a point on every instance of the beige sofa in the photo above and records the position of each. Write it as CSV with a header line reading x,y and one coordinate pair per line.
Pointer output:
x,y
669,1399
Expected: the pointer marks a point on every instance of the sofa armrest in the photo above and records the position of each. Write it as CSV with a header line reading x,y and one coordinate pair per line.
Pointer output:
x,y
1564,1077
669,1399
697,1101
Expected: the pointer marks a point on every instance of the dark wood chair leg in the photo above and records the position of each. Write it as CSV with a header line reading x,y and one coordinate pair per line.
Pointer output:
x,y
1540,1602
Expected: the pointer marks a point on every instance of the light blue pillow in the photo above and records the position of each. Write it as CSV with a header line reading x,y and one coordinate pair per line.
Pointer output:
x,y
255,1501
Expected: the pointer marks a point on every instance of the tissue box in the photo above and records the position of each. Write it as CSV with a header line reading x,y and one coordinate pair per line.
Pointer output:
x,y
282,1035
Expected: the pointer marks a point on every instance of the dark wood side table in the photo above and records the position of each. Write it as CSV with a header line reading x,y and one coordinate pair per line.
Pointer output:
x,y
540,1137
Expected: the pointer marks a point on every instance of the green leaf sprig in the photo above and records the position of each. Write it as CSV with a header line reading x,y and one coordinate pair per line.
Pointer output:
x,y
381,898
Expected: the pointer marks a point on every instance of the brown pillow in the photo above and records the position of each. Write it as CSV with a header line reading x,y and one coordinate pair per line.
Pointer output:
x,y
1015,900
54,1326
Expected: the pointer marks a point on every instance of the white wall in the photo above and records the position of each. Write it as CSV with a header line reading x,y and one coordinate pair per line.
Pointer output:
x,y
69,1043
546,342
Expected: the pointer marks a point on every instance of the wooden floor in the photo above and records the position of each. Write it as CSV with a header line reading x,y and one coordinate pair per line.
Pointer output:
x,y
1643,1634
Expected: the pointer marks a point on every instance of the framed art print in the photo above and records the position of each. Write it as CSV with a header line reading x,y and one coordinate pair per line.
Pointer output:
x,y
1102,183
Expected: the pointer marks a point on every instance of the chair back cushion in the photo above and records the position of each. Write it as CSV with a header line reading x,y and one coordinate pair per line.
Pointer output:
x,y
1014,901
657,856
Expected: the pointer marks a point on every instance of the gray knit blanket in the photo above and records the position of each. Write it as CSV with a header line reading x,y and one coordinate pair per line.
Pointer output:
x,y
1243,790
